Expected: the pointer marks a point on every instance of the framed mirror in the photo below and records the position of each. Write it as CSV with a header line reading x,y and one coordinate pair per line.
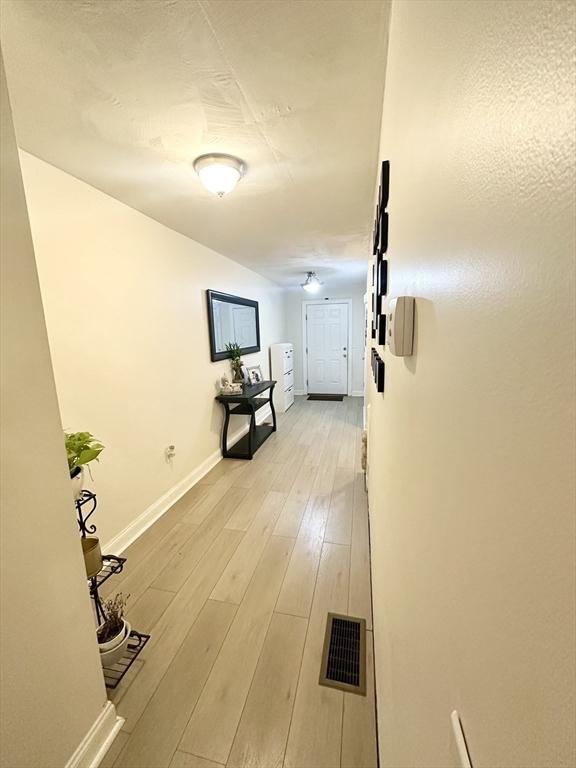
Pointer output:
x,y
232,319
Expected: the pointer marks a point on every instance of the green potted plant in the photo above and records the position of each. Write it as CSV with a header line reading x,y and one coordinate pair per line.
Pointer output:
x,y
114,632
81,448
235,361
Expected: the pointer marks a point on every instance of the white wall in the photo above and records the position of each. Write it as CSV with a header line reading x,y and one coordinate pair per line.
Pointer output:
x,y
52,685
293,325
472,444
125,307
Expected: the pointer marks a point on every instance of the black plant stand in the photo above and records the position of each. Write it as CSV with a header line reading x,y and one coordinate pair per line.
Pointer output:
x,y
246,404
111,565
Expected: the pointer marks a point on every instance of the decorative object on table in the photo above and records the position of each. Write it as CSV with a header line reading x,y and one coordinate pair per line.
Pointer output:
x,y
245,375
92,555
230,388
235,361
81,449
232,320
114,632
255,375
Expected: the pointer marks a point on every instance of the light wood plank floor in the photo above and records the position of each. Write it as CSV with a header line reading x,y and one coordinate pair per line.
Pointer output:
x,y
234,583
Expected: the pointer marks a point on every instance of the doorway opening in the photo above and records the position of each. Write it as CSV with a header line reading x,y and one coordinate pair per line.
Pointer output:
x,y
326,346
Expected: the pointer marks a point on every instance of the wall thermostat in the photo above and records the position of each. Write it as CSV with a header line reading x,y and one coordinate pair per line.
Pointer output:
x,y
401,325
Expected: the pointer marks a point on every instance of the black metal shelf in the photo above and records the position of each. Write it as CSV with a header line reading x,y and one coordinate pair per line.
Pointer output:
x,y
85,498
241,449
111,566
246,410
114,674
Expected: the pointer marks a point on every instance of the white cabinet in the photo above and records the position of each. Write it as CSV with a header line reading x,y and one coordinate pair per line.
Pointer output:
x,y
282,371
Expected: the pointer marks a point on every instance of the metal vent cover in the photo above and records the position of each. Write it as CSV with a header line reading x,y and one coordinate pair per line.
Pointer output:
x,y
344,654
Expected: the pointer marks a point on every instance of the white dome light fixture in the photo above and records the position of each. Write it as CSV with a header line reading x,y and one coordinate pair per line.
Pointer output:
x,y
312,284
219,173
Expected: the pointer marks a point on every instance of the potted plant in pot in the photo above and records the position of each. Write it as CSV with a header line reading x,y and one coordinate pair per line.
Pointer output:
x,y
114,632
81,448
235,361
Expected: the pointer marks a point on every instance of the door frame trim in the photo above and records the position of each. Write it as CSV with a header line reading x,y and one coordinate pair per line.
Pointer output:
x,y
305,305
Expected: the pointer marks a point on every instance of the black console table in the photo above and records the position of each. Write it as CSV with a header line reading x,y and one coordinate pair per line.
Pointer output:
x,y
246,403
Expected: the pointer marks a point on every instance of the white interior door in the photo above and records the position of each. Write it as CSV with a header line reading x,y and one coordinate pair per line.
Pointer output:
x,y
327,348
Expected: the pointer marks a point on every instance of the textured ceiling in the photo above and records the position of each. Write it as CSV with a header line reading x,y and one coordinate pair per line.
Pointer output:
x,y
125,94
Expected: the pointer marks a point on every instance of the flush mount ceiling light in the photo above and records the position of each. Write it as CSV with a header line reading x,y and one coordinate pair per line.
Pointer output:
x,y
219,173
312,283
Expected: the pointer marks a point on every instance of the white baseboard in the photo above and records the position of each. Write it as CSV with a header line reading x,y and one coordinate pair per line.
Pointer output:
x,y
93,747
136,528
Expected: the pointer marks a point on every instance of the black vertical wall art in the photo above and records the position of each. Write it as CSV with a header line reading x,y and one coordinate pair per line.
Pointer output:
x,y
374,293
378,370
381,283
382,329
376,237
380,273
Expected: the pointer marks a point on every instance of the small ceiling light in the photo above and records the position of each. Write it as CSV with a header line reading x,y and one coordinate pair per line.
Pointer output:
x,y
312,283
219,173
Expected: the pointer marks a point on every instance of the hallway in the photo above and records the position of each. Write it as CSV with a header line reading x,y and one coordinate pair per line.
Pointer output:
x,y
235,583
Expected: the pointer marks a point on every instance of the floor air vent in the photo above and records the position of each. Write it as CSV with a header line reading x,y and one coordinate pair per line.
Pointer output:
x,y
344,654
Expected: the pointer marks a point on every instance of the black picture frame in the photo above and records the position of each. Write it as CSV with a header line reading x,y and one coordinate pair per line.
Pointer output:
x,y
384,184
378,370
383,277
380,375
376,243
229,299
381,289
383,232
374,293
382,329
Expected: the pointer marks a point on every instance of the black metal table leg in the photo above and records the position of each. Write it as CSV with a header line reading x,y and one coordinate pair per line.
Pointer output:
x,y
272,408
100,615
225,430
251,431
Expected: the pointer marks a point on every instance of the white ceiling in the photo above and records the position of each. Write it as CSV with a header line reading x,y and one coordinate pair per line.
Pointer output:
x,y
124,94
